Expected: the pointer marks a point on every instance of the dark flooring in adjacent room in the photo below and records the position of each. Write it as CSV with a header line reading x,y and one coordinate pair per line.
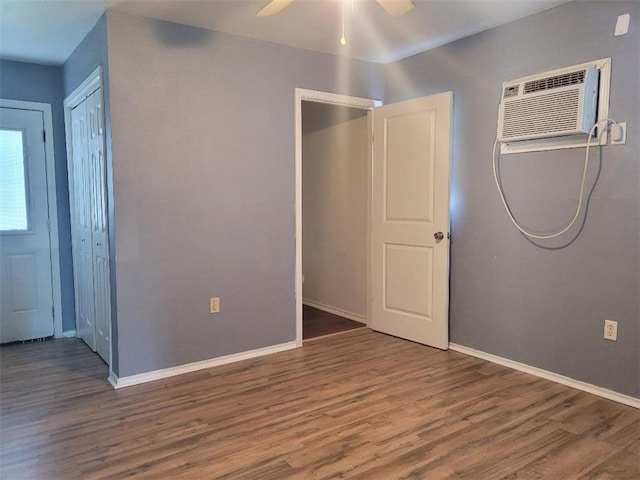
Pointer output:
x,y
317,323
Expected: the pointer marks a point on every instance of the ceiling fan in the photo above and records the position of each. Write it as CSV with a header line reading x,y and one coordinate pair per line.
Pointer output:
x,y
395,8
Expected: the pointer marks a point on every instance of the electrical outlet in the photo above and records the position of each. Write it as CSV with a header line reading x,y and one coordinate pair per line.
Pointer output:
x,y
611,330
214,305
618,133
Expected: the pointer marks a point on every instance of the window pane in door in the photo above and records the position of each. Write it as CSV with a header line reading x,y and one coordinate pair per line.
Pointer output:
x,y
13,191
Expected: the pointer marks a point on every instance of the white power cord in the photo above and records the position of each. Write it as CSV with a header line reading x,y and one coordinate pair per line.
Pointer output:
x,y
496,177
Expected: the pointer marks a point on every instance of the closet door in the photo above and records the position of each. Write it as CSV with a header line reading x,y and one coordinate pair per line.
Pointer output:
x,y
99,245
87,195
80,185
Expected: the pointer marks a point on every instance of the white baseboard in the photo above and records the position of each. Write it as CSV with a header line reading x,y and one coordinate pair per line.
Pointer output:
x,y
336,311
192,367
554,377
69,333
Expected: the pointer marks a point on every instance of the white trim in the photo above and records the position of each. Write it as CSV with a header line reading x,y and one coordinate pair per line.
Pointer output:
x,y
336,311
54,243
82,91
319,97
547,375
69,333
192,367
574,141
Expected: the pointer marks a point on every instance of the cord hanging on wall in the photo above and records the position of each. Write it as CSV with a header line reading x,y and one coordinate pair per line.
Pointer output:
x,y
553,110
496,175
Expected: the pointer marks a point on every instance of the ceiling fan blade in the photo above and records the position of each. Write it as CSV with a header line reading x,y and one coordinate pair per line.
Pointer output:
x,y
273,7
395,8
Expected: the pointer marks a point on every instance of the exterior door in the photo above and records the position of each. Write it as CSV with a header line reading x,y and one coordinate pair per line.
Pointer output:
x,y
410,219
26,293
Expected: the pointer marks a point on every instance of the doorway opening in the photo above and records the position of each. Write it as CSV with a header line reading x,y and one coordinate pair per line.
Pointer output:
x,y
333,188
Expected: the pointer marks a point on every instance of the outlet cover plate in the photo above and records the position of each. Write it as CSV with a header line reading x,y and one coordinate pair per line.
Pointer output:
x,y
611,330
214,305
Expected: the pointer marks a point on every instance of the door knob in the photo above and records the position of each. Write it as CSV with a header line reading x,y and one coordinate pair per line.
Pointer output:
x,y
438,236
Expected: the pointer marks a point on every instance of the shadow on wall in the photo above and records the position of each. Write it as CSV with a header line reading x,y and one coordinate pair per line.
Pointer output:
x,y
180,36
322,115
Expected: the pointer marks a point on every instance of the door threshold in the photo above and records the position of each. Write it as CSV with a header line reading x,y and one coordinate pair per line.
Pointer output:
x,y
333,334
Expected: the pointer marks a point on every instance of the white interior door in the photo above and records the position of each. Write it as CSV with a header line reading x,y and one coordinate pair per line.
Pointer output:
x,y
410,219
80,176
99,239
87,197
26,294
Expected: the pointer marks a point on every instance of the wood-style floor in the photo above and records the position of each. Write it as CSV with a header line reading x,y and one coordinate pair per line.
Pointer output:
x,y
356,405
317,323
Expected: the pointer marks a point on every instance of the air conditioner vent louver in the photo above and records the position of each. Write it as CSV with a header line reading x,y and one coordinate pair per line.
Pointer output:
x,y
543,114
546,105
557,81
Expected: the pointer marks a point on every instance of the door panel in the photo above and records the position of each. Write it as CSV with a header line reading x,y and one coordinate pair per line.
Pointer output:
x,y
411,168
408,285
81,225
410,203
26,293
102,306
89,225
99,246
23,284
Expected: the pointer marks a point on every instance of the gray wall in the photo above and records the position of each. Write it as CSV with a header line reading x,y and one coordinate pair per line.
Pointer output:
x,y
91,53
203,170
335,151
88,55
39,83
509,297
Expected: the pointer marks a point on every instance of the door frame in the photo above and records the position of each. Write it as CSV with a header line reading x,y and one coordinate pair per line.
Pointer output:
x,y
52,205
78,95
316,96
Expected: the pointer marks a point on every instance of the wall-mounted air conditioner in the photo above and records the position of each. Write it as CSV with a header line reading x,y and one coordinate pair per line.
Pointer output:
x,y
551,104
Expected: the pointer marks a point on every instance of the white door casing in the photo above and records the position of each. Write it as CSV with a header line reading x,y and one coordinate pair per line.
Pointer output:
x,y
26,293
408,270
410,208
334,99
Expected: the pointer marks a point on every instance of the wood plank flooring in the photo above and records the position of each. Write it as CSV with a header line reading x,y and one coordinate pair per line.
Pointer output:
x,y
356,405
318,323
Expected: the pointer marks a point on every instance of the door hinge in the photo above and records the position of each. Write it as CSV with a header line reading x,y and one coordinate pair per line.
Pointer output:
x,y
44,135
53,311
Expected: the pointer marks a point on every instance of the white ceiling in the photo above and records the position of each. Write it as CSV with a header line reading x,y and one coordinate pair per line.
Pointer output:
x,y
47,31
